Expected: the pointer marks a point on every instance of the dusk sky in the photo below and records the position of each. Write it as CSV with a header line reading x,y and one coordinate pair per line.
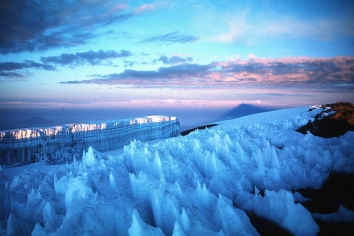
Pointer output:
x,y
186,53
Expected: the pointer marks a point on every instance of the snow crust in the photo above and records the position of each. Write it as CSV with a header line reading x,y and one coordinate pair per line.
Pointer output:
x,y
200,184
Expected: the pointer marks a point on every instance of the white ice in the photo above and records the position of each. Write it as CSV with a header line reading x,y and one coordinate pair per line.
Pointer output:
x,y
201,184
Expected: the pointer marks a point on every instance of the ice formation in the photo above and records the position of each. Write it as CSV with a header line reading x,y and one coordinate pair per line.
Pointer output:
x,y
206,183
60,142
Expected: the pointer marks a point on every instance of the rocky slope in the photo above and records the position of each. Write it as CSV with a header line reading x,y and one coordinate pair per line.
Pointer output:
x,y
333,121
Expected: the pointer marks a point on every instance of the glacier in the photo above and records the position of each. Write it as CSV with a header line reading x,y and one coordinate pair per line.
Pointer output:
x,y
206,183
62,142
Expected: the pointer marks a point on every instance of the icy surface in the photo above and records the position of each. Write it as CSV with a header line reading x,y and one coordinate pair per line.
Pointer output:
x,y
201,184
59,143
299,198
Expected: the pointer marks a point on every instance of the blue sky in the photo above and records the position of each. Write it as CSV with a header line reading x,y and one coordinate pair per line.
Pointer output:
x,y
175,53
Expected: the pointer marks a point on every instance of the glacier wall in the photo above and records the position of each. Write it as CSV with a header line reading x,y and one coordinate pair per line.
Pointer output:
x,y
62,142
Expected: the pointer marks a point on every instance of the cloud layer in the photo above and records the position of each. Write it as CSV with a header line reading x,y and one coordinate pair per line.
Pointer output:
x,y
91,57
10,69
173,60
15,69
34,25
257,72
170,38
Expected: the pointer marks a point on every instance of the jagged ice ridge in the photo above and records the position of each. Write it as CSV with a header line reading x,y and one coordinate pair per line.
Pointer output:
x,y
200,184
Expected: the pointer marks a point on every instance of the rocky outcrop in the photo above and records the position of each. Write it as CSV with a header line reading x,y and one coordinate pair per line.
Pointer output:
x,y
333,121
62,142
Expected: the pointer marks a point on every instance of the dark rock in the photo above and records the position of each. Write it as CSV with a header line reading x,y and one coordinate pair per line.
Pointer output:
x,y
333,125
184,133
337,190
328,228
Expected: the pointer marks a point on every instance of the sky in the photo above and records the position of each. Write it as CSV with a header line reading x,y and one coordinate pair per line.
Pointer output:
x,y
186,54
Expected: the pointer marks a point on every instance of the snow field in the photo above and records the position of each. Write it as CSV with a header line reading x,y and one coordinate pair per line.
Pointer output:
x,y
200,184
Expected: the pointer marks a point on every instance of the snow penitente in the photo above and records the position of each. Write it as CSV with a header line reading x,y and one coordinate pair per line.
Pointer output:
x,y
209,182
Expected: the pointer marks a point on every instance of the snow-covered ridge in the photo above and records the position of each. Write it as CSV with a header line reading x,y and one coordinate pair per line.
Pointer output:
x,y
29,145
206,183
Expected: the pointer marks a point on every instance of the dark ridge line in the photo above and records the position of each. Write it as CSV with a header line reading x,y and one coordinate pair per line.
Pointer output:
x,y
186,132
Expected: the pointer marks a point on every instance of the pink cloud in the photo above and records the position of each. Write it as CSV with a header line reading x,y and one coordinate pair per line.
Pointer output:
x,y
153,103
149,7
117,8
296,72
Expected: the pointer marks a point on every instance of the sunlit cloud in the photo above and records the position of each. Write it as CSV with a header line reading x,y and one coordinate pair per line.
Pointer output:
x,y
150,7
175,50
298,72
153,103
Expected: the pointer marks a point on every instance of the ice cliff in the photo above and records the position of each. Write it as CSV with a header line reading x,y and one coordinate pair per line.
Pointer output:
x,y
62,142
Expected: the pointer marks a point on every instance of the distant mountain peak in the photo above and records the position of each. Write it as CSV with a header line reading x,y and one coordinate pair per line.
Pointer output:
x,y
36,121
